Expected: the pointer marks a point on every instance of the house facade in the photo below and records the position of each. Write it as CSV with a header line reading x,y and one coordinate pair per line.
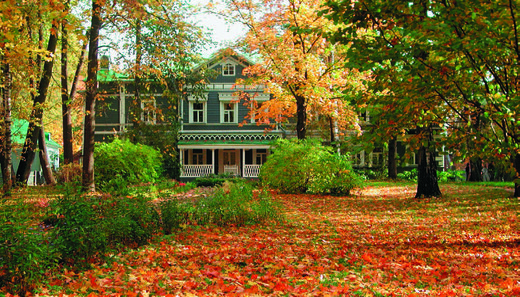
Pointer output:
x,y
216,135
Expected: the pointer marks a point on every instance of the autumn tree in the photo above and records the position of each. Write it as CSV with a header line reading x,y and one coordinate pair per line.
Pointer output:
x,y
462,55
157,49
87,179
299,66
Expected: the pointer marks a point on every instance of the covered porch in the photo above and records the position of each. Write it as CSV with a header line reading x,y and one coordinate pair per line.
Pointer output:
x,y
244,161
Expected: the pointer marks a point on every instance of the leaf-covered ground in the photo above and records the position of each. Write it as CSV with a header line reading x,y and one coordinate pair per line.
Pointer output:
x,y
381,242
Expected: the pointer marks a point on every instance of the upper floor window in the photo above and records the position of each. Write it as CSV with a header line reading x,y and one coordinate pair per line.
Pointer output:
x,y
228,69
197,112
229,113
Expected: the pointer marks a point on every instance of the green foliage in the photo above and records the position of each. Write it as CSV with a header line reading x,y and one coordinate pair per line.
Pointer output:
x,y
408,175
88,226
308,167
122,163
27,249
450,175
232,204
213,180
162,138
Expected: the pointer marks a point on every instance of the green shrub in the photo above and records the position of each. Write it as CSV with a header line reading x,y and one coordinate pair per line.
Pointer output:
x,y
232,204
89,226
122,163
450,175
308,167
27,249
408,175
213,180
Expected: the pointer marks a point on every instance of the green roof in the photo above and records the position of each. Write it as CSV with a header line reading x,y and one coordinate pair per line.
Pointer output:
x,y
108,75
19,132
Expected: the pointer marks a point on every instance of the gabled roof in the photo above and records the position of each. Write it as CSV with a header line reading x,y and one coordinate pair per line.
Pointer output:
x,y
228,53
19,131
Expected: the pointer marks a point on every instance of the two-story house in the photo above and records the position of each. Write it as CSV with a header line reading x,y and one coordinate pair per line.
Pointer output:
x,y
216,134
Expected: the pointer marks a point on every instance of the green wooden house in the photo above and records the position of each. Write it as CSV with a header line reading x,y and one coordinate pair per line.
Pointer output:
x,y
216,136
19,131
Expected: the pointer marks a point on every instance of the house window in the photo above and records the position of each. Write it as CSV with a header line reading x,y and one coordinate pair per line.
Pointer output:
x,y
228,69
261,156
229,113
377,157
198,112
148,111
197,157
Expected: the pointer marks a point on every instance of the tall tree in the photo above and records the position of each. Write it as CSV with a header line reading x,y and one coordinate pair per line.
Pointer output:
x,y
299,66
31,140
462,54
88,181
5,130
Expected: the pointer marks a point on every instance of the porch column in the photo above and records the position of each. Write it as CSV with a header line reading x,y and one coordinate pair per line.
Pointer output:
x,y
243,161
213,161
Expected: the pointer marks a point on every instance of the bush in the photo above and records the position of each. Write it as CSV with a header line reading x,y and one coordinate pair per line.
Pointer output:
x,y
89,226
27,249
232,204
308,167
213,180
408,175
122,163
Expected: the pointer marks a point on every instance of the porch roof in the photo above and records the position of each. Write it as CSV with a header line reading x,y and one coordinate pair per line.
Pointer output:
x,y
216,144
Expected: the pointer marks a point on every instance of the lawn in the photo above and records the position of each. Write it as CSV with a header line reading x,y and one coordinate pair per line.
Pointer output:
x,y
378,242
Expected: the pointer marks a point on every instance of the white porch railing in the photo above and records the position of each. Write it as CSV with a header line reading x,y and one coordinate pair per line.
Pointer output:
x,y
196,170
251,170
232,169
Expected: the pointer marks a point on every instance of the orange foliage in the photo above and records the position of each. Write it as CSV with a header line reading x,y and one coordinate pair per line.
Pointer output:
x,y
379,241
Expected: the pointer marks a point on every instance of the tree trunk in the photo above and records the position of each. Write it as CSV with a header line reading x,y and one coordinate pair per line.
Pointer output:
x,y
28,152
301,117
516,164
6,148
392,163
65,100
427,182
90,100
476,170
44,159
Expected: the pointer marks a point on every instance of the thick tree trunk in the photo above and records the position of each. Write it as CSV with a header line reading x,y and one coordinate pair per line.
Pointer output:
x,y
301,117
516,164
28,152
392,163
90,100
427,182
44,159
476,170
5,136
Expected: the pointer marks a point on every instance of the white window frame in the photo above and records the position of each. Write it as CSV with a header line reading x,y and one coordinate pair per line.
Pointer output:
x,y
224,99
192,100
229,69
145,113
226,112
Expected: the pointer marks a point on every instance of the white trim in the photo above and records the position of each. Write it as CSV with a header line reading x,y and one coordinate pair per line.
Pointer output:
x,y
204,112
224,146
204,97
222,112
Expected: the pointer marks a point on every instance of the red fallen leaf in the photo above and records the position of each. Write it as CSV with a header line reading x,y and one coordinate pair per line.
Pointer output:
x,y
190,285
281,286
